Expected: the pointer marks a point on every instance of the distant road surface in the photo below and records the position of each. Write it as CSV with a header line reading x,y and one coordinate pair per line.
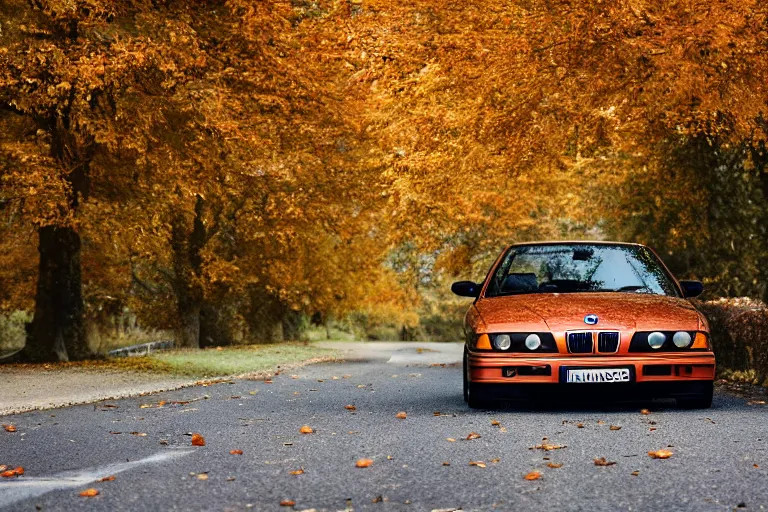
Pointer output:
x,y
719,456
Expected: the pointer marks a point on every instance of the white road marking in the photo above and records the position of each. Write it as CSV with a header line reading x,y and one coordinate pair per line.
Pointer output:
x,y
22,488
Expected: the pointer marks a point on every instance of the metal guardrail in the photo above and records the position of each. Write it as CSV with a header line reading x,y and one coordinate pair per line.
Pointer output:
x,y
142,349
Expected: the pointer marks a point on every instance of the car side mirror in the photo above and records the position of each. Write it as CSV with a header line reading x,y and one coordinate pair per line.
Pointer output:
x,y
692,288
466,289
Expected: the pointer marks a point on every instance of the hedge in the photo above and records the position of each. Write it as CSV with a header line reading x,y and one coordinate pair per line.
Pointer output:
x,y
739,329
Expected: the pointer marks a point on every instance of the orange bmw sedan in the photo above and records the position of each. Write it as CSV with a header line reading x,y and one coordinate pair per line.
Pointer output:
x,y
585,319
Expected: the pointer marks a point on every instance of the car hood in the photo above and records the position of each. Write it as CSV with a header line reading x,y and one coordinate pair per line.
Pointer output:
x,y
566,311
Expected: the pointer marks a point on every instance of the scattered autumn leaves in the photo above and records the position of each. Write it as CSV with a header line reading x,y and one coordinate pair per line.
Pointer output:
x,y
10,473
198,440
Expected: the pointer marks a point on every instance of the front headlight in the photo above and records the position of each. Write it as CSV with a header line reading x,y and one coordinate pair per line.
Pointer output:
x,y
681,339
656,340
532,342
502,342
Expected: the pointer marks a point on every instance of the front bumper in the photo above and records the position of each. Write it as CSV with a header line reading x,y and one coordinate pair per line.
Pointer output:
x,y
502,369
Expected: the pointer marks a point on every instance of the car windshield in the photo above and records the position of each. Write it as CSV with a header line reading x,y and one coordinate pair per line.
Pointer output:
x,y
572,268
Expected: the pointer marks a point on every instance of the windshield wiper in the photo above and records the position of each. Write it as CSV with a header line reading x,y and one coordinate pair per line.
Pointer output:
x,y
631,288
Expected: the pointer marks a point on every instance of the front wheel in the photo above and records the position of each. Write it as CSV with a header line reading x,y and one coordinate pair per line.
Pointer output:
x,y
702,400
476,401
471,395
466,379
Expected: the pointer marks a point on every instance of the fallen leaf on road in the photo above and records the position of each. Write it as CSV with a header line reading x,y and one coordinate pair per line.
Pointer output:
x,y
660,454
579,425
202,476
306,429
294,377
350,407
139,434
89,493
600,422
253,392
635,473
755,466
473,435
299,471
198,440
495,423
110,478
479,463
363,463
9,428
361,385
236,452
450,439
496,460
401,415
645,411
533,475
602,462
12,472
502,429
554,465
389,457
652,429
446,463
615,427
547,447
287,503
346,376
710,420
268,382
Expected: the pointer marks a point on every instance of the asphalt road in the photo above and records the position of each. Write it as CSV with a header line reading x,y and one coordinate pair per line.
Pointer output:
x,y
719,461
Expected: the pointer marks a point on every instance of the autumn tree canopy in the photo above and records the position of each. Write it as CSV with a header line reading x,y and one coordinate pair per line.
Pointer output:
x,y
223,168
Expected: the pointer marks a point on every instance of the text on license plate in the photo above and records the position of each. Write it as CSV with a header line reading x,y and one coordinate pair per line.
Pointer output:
x,y
599,375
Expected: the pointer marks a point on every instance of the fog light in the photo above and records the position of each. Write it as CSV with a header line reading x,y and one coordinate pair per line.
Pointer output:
x,y
502,342
681,339
532,342
656,340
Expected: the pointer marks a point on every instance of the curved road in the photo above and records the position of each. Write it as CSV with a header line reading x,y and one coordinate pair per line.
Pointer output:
x,y
719,456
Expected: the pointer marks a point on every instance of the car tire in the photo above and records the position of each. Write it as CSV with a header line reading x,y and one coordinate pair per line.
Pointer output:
x,y
470,391
476,402
701,401
466,379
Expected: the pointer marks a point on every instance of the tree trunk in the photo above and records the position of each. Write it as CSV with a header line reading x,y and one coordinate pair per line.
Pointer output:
x,y
188,335
292,321
57,331
216,326
187,266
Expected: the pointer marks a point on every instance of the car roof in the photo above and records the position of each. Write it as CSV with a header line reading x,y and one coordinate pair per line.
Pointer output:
x,y
575,242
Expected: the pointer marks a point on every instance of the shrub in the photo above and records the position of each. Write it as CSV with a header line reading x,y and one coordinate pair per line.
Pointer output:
x,y
12,332
739,330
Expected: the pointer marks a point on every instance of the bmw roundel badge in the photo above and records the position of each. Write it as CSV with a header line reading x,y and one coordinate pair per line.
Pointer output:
x,y
590,319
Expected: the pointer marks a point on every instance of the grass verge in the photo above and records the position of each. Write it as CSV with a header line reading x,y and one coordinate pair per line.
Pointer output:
x,y
239,360
212,362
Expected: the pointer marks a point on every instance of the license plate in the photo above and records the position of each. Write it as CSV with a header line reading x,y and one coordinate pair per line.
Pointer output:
x,y
598,375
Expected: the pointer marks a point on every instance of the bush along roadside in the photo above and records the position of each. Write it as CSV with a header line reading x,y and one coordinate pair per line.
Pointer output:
x,y
739,329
